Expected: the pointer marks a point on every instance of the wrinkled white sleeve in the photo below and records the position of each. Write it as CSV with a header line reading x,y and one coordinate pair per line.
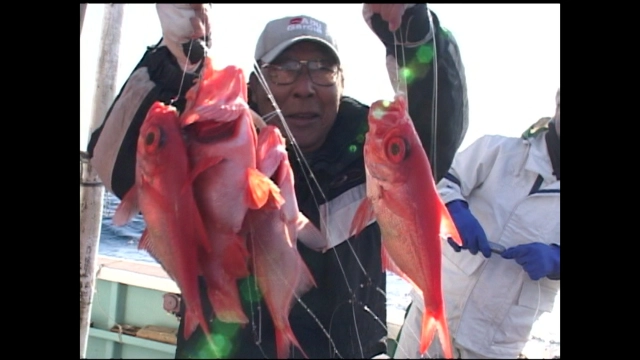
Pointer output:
x,y
470,168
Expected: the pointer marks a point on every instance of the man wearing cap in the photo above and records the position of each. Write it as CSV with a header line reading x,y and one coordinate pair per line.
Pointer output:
x,y
345,315
503,193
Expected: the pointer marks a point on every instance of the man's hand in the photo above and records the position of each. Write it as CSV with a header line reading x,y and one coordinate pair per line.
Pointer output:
x,y
391,13
399,24
186,31
471,232
200,22
537,259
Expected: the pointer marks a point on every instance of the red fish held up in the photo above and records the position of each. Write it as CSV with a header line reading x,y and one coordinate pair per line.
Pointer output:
x,y
402,197
280,272
221,143
162,192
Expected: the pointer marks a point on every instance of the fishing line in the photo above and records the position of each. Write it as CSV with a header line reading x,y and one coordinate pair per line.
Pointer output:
x,y
434,106
270,116
184,72
186,62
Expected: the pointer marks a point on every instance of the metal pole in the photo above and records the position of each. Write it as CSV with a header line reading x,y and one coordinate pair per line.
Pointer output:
x,y
91,189
83,9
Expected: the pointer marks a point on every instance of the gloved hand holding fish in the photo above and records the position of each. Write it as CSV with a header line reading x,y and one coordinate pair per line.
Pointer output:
x,y
473,236
402,196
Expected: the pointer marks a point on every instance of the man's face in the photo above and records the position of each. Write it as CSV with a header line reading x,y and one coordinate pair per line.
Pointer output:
x,y
309,108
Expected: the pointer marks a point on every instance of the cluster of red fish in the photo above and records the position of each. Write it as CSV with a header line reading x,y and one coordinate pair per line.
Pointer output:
x,y
205,180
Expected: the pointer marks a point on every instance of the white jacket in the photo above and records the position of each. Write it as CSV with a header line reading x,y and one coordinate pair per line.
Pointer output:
x,y
492,303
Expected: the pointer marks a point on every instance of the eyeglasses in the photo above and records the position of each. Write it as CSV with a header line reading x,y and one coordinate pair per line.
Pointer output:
x,y
321,72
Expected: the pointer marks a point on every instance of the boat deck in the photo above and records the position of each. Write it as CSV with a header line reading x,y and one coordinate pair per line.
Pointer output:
x,y
128,319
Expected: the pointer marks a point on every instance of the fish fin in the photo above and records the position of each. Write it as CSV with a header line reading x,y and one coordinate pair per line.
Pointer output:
x,y
128,207
448,228
201,233
309,234
260,189
222,290
192,319
225,301
284,338
235,257
364,214
201,166
430,323
190,325
305,280
144,242
389,265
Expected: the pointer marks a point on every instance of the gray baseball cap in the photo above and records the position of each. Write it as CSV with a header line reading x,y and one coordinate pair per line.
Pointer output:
x,y
281,33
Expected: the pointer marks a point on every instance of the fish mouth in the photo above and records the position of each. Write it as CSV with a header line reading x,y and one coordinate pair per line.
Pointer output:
x,y
210,131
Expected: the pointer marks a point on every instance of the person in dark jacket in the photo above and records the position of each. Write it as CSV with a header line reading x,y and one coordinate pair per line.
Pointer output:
x,y
345,315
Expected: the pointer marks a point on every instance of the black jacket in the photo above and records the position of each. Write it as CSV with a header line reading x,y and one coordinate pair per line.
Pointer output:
x,y
346,294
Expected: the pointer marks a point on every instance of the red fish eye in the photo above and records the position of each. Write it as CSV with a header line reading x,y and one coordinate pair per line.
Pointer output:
x,y
148,140
154,139
396,149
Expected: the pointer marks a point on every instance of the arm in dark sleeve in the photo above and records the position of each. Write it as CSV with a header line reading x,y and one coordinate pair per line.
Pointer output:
x,y
446,114
112,146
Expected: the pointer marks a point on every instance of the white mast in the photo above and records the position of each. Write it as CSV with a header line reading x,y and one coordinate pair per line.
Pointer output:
x,y
91,188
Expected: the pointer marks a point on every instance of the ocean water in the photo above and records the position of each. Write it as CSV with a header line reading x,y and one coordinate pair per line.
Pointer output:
x,y
122,242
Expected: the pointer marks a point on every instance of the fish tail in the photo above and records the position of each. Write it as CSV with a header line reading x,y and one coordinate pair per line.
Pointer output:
x,y
191,321
284,338
225,301
432,321
190,325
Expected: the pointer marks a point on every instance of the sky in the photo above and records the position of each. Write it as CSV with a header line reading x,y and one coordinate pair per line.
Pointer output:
x,y
511,54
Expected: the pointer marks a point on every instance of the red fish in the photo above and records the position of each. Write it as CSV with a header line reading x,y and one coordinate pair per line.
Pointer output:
x,y
163,193
280,272
402,197
221,142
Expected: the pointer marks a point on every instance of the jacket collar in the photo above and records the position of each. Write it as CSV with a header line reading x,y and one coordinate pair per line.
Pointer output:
x,y
538,160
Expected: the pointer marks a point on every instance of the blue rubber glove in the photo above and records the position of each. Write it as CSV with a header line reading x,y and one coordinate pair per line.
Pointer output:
x,y
471,232
537,259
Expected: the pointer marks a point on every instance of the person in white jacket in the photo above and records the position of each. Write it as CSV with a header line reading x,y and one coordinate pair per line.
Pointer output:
x,y
503,194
